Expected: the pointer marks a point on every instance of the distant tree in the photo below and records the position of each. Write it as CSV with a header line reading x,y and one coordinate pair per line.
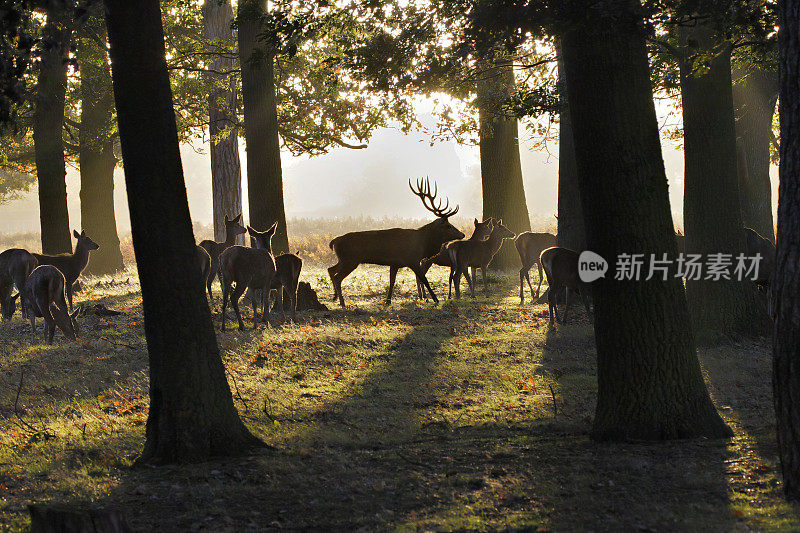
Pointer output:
x,y
48,120
97,135
649,380
191,415
223,130
786,283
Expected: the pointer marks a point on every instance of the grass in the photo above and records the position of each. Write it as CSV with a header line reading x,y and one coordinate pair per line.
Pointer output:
x,y
408,417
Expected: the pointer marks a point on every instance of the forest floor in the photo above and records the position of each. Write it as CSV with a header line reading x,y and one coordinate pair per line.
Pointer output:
x,y
471,415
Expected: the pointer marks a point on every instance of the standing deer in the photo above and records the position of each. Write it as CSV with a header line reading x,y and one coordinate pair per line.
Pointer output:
x,y
44,296
396,247
442,258
561,267
287,278
465,254
529,246
233,228
205,267
248,268
71,265
16,265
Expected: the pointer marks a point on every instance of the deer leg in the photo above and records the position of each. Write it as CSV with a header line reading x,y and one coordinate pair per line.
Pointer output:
x,y
267,295
540,279
566,305
485,279
421,277
237,292
522,274
279,302
69,295
551,306
343,272
226,289
332,271
585,298
50,323
392,278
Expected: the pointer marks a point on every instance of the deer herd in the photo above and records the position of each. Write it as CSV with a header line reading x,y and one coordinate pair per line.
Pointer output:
x,y
44,283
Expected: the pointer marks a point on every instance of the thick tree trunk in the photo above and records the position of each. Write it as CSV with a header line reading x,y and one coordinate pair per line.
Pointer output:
x,y
48,120
571,230
96,157
712,215
649,380
191,416
786,283
226,169
501,170
755,94
264,177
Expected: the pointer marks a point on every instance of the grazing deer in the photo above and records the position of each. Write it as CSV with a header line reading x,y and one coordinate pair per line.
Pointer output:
x,y
529,246
442,258
44,296
233,228
561,268
248,268
396,247
71,265
16,265
465,254
205,266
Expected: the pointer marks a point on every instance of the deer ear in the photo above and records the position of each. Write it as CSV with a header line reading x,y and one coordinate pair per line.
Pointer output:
x,y
476,222
76,313
500,221
238,218
76,234
251,231
14,298
273,227
227,219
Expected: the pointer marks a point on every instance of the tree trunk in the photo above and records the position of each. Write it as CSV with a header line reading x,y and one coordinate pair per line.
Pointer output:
x,y
786,283
191,416
501,170
649,380
96,157
264,178
571,231
754,97
48,120
226,169
711,212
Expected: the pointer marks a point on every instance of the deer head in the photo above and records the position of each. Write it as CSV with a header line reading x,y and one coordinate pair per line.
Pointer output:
x,y
442,227
84,241
262,239
233,226
482,229
8,306
501,231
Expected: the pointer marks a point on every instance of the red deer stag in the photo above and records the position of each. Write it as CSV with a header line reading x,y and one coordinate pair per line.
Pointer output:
x,y
561,268
248,268
465,254
481,232
44,296
233,227
16,265
529,246
71,265
396,247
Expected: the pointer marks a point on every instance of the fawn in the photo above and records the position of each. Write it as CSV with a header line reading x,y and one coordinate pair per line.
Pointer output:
x,y
469,253
71,265
44,296
248,268
529,246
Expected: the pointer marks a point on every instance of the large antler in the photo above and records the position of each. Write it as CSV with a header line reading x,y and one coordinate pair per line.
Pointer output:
x,y
423,190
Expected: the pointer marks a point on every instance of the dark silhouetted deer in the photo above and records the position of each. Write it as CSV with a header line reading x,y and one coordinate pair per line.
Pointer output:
x,y
243,268
16,265
233,227
529,246
43,296
481,232
205,267
287,277
561,268
396,247
71,265
478,254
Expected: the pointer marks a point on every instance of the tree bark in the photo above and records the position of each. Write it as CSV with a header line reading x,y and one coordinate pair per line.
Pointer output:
x,y
712,214
501,170
649,381
786,283
191,416
96,156
264,175
226,169
48,120
755,94
571,230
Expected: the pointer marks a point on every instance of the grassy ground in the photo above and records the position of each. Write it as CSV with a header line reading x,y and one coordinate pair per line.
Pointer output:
x,y
462,416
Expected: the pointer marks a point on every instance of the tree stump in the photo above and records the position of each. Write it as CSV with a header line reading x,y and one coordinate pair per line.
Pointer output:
x,y
62,518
